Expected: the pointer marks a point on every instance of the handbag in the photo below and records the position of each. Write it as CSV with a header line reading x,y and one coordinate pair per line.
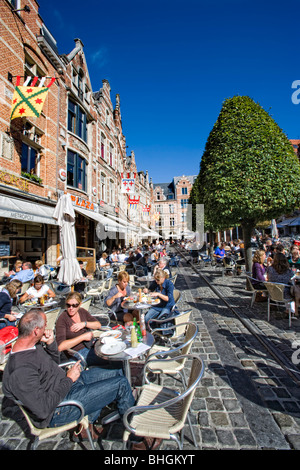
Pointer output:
x,y
7,334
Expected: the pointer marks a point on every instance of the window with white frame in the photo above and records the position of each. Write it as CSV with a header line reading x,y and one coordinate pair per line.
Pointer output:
x,y
111,155
102,146
112,192
103,187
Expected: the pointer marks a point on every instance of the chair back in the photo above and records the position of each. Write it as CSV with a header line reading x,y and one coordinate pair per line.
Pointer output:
x,y
176,295
190,335
86,303
275,291
51,316
173,279
107,284
249,284
25,286
197,370
180,320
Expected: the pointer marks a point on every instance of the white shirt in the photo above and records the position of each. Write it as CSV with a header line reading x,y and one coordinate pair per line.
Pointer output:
x,y
37,293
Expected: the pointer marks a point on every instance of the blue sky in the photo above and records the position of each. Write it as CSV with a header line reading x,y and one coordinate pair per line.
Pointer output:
x,y
175,62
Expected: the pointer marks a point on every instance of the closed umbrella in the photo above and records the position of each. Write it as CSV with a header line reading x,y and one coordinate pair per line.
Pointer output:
x,y
64,213
274,231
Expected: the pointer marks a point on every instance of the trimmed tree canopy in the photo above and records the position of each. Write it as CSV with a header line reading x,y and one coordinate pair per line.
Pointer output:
x,y
249,171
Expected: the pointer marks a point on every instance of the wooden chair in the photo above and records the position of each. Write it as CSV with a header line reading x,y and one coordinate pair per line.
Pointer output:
x,y
161,412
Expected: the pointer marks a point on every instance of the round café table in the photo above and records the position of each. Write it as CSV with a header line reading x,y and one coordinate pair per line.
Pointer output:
x,y
123,356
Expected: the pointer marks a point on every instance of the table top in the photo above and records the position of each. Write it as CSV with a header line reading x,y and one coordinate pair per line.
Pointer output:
x,y
27,305
148,340
131,305
145,278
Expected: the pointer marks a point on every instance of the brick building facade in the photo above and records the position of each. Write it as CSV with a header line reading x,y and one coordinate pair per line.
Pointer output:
x,y
76,145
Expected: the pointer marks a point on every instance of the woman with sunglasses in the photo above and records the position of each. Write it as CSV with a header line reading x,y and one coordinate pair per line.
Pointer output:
x,y
74,331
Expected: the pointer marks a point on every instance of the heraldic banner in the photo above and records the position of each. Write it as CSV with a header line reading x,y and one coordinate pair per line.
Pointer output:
x,y
29,100
128,183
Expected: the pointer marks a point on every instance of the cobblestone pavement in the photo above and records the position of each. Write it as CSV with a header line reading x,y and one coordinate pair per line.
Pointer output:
x,y
245,400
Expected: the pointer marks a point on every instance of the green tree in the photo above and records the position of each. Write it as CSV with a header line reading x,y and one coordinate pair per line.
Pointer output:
x,y
249,171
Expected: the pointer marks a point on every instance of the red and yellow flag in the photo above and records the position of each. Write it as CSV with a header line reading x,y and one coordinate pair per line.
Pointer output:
x,y
29,100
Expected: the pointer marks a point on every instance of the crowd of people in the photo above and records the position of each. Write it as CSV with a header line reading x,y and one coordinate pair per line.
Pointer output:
x,y
32,373
274,263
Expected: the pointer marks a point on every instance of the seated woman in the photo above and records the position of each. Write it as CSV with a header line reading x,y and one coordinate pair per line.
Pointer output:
x,y
6,298
38,290
116,296
259,270
41,269
161,288
281,272
294,258
74,331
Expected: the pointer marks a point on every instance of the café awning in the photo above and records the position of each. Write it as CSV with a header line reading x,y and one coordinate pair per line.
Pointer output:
x,y
26,211
109,225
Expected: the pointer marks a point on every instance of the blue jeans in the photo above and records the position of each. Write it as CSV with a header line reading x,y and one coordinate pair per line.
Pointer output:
x,y
94,389
92,359
156,312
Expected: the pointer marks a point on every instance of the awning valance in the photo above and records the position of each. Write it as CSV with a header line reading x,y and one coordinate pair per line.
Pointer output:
x,y
26,211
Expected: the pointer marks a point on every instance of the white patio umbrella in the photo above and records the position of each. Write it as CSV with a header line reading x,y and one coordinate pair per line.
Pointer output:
x,y
64,213
274,232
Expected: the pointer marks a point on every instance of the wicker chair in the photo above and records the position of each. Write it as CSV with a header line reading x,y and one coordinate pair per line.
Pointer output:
x,y
51,316
161,412
179,324
276,297
156,363
252,288
42,434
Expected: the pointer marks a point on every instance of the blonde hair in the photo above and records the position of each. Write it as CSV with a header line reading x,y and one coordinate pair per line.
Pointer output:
x,y
39,263
160,273
123,276
13,286
74,295
257,258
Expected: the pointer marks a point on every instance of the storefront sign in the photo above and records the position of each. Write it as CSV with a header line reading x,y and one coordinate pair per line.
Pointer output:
x,y
22,216
13,180
62,174
80,202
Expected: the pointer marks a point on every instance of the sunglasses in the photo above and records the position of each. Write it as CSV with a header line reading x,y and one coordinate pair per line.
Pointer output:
x,y
72,305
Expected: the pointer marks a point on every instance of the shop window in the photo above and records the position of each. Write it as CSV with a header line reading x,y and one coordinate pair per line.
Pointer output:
x,y
76,171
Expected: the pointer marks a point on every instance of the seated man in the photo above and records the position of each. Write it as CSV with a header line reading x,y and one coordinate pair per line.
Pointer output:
x,y
32,375
26,274
116,296
162,264
143,262
219,253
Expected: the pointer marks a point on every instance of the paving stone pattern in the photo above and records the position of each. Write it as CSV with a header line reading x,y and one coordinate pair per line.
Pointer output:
x,y
245,399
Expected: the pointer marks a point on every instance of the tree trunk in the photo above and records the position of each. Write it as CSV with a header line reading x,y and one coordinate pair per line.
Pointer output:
x,y
247,227
211,244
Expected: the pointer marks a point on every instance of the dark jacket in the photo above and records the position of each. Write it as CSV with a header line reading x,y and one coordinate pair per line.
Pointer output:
x,y
33,377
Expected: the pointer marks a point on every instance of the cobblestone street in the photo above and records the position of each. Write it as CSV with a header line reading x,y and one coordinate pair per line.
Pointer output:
x,y
245,400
